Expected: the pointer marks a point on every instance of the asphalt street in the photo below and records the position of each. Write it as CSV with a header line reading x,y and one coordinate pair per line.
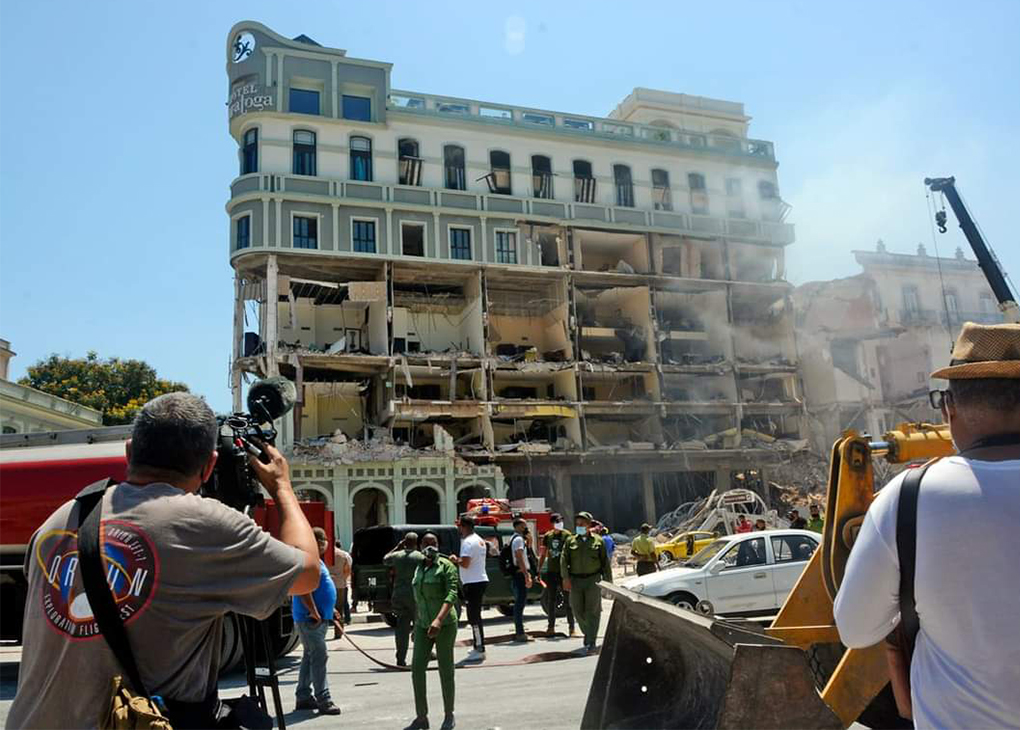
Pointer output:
x,y
492,695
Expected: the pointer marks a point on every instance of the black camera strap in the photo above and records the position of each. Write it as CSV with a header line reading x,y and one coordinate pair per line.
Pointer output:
x,y
104,609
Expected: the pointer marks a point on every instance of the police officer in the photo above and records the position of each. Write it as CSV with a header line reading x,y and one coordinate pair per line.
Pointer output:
x,y
549,553
583,563
403,561
436,589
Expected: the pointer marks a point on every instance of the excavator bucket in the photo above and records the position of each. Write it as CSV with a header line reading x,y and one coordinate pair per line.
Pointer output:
x,y
666,668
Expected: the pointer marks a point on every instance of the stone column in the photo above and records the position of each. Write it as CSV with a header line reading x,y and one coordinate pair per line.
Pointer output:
x,y
563,492
648,484
722,478
235,370
272,312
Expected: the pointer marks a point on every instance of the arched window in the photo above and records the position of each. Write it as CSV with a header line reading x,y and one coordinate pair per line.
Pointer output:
x,y
250,152
499,175
624,186
584,182
541,176
662,197
422,505
453,162
304,152
361,158
409,162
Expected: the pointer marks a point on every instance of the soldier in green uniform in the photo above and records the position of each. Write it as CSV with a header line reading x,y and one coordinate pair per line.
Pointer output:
x,y
403,561
436,586
583,563
817,521
549,553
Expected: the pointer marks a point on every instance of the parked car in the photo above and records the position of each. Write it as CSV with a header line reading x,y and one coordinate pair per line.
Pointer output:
x,y
676,548
739,574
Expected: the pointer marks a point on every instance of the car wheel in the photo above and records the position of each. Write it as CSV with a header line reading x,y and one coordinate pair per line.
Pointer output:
x,y
684,601
665,558
706,608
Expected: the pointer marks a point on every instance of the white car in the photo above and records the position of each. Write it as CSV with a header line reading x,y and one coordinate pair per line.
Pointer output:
x,y
738,574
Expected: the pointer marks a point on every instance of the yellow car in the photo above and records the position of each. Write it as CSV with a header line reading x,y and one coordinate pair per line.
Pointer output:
x,y
676,548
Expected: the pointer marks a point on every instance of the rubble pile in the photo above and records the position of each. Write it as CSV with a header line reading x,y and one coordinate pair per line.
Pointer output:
x,y
338,449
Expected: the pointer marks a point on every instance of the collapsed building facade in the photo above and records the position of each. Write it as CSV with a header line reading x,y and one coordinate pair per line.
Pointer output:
x,y
506,301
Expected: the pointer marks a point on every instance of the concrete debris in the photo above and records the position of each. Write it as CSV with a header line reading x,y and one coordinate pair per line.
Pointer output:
x,y
339,449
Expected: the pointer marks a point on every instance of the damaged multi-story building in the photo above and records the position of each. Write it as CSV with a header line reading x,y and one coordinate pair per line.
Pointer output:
x,y
478,298
869,343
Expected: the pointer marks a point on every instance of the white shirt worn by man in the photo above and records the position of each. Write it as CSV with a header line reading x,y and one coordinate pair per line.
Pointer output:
x,y
965,672
474,548
517,544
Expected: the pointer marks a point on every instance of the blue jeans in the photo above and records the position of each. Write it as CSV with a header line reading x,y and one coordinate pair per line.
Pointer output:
x,y
520,600
313,662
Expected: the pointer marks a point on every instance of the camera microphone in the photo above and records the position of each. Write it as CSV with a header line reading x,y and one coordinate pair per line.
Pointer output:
x,y
271,398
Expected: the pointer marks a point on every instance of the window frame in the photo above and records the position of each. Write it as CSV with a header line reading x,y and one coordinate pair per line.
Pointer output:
x,y
623,182
290,99
375,233
736,548
424,237
450,146
250,152
662,195
311,216
307,153
353,155
592,189
414,170
788,540
469,230
515,250
237,219
343,107
547,188
492,177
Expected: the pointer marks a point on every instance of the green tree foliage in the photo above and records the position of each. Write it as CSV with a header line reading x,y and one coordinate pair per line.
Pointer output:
x,y
117,388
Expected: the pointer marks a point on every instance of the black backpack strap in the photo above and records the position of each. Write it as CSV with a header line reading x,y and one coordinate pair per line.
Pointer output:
x,y
97,589
906,549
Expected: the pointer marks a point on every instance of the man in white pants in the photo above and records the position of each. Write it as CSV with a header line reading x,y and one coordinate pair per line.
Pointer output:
x,y
965,668
473,580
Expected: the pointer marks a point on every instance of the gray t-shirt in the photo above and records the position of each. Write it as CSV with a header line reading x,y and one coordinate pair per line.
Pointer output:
x,y
177,563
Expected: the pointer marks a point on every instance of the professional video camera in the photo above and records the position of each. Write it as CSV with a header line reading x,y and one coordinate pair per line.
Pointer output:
x,y
233,482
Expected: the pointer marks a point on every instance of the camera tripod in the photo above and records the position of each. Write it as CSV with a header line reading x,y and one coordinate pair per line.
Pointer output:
x,y
257,650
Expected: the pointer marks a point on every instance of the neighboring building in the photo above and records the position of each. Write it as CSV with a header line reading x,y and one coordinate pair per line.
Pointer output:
x,y
597,306
24,409
868,343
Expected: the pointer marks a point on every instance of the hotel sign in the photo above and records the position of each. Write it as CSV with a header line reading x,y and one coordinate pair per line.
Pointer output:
x,y
249,98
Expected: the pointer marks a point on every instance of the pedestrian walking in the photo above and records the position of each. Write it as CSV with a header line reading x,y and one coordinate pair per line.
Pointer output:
x,y
955,623
473,579
583,563
643,549
313,615
521,578
340,571
403,562
549,554
436,587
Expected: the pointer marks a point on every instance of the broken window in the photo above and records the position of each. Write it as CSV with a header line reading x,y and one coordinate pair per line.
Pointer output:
x,y
734,198
453,161
409,165
499,175
506,247
361,158
306,232
662,198
699,195
304,152
364,236
250,152
584,182
460,243
412,238
244,232
624,186
767,190
541,176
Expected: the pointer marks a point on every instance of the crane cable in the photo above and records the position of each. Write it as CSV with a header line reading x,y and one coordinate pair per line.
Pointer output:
x,y
938,262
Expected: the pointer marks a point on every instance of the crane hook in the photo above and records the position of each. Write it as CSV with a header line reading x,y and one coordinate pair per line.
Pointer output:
x,y
940,220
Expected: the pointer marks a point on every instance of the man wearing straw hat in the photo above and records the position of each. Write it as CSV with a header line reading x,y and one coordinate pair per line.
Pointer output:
x,y
965,666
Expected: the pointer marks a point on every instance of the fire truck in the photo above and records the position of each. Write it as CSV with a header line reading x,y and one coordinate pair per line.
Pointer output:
x,y
41,471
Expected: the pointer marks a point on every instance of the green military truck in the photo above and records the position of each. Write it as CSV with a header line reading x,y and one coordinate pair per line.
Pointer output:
x,y
370,578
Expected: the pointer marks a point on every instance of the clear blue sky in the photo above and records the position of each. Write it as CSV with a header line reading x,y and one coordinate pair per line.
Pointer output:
x,y
115,159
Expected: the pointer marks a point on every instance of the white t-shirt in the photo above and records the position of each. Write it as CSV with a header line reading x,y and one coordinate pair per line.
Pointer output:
x,y
517,544
474,547
965,672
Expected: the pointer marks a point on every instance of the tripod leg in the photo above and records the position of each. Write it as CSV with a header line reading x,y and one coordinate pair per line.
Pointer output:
x,y
274,680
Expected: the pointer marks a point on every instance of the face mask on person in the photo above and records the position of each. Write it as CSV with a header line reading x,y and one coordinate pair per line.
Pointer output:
x,y
558,525
430,552
581,530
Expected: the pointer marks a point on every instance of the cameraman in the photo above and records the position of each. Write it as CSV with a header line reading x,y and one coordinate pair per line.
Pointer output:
x,y
176,563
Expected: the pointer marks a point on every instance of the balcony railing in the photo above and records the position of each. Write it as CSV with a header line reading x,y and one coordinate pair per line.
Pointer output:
x,y
625,195
542,185
662,199
957,317
579,125
584,190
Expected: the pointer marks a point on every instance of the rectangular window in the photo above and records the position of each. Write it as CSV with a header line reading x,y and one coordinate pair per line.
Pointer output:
x,y
361,159
364,236
412,237
460,243
506,247
662,198
538,119
699,196
358,108
244,232
578,124
733,187
495,113
734,198
304,101
304,152
306,232
453,161
624,186
250,152
767,190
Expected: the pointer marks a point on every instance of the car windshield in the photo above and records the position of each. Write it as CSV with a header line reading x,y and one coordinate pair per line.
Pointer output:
x,y
707,554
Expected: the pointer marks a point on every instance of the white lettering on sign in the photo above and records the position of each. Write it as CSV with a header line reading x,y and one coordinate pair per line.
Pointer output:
x,y
248,97
737,498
